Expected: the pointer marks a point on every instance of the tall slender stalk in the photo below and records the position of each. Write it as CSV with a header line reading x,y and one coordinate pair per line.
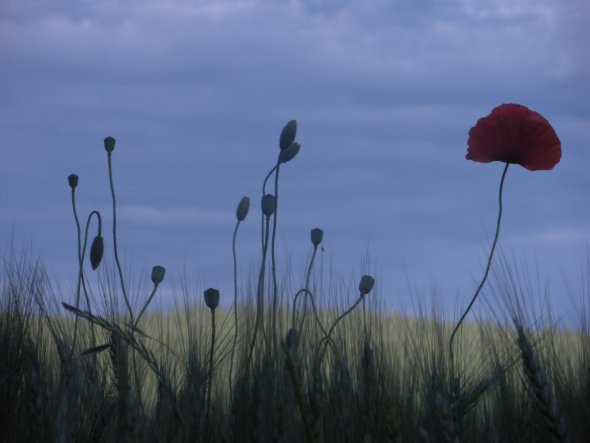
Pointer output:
x,y
273,258
259,321
487,270
235,339
120,270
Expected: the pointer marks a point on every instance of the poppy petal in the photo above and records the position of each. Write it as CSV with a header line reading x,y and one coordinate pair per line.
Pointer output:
x,y
514,134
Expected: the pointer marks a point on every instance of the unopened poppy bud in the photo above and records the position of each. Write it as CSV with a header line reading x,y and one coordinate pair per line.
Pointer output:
x,y
288,135
242,210
73,180
158,273
316,236
289,153
96,251
269,204
366,284
292,339
109,144
212,298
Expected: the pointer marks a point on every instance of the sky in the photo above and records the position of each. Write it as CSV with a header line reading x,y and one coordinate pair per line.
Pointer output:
x,y
196,93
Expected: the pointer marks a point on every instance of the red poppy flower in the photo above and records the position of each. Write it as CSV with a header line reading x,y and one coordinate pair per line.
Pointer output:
x,y
514,134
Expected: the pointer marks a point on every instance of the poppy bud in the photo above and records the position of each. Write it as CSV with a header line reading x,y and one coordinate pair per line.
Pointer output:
x,y
96,252
269,204
158,273
73,181
212,298
289,153
109,144
366,284
242,210
316,236
288,135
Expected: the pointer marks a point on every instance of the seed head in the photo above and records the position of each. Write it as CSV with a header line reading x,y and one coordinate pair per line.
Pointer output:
x,y
109,144
289,153
158,273
73,181
366,284
269,204
242,210
211,298
288,135
316,236
96,251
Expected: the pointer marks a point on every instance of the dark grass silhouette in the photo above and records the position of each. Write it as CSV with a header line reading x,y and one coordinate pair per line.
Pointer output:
x,y
293,373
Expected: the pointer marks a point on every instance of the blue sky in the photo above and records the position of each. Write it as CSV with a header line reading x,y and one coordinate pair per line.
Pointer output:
x,y
196,93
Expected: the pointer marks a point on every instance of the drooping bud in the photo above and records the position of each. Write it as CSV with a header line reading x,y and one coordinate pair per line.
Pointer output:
x,y
109,144
158,273
316,236
243,207
73,181
211,298
288,135
366,284
289,153
96,251
269,204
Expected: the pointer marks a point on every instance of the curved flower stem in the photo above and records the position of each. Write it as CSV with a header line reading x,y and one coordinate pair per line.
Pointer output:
x,y
81,255
145,306
115,240
487,271
307,278
307,293
328,337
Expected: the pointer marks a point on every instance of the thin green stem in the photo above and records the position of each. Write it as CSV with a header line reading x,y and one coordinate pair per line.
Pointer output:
x,y
125,297
80,269
264,193
307,293
273,258
328,337
259,322
233,347
307,278
210,376
81,255
487,270
149,300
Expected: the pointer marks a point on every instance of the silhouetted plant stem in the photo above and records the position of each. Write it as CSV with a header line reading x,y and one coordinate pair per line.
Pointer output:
x,y
259,322
307,293
487,270
273,258
80,262
235,339
264,193
149,300
307,278
210,375
125,297
81,255
328,337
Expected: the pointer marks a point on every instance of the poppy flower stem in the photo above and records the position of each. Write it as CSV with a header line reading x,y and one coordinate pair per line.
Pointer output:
x,y
487,271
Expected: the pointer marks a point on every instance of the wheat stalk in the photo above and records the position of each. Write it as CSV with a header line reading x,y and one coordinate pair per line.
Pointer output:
x,y
541,388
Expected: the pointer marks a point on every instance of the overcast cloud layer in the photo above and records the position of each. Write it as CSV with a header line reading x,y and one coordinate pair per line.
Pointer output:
x,y
196,93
